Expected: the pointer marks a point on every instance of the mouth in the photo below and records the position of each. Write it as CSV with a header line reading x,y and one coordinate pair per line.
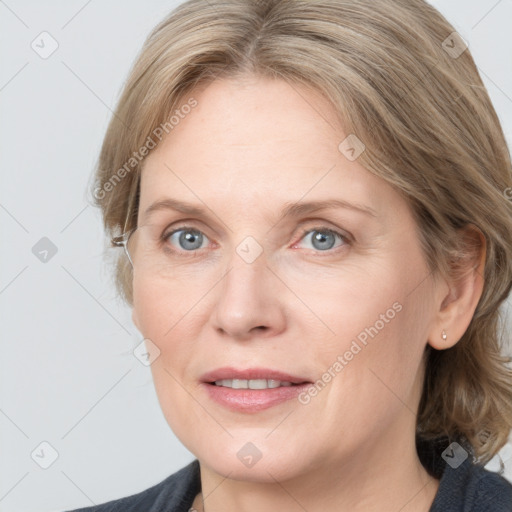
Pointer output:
x,y
253,383
252,378
253,389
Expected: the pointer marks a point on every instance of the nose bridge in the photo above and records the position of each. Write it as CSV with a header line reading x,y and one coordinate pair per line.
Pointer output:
x,y
246,278
245,299
246,261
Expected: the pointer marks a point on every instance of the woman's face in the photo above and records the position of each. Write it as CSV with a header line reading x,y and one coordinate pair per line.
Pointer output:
x,y
338,296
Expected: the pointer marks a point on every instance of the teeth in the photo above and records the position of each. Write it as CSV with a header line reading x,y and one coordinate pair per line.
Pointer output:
x,y
257,384
239,384
252,383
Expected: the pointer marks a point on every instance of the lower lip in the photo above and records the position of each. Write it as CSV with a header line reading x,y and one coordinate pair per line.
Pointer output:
x,y
252,400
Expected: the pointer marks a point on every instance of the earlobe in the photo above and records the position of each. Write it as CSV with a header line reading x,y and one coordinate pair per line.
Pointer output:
x,y
457,307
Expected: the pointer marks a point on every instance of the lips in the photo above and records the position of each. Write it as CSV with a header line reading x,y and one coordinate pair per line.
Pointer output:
x,y
242,391
230,373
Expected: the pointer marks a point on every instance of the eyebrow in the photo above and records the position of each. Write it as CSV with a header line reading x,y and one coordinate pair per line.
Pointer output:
x,y
291,210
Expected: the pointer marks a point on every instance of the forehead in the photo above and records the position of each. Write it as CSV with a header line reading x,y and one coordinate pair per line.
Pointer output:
x,y
252,114
254,142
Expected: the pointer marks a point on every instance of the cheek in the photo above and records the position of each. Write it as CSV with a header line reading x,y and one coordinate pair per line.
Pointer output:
x,y
161,311
348,303
166,312
147,302
379,323
161,304
166,316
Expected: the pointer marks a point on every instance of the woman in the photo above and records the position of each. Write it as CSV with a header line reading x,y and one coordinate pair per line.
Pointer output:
x,y
313,202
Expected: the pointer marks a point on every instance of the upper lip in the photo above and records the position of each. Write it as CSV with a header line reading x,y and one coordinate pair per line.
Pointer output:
x,y
250,374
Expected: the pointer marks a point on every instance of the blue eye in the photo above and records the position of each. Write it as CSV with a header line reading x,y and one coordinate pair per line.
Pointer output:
x,y
189,239
324,239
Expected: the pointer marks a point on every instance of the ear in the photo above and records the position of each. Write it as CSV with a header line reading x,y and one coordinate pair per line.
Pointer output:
x,y
458,296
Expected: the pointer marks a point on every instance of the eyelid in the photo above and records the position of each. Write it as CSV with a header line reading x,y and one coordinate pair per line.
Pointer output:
x,y
320,224
167,233
347,238
323,225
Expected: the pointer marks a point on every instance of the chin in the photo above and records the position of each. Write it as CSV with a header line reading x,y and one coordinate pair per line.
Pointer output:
x,y
264,471
258,461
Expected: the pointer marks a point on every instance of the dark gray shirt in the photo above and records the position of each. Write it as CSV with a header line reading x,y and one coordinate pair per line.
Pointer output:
x,y
468,488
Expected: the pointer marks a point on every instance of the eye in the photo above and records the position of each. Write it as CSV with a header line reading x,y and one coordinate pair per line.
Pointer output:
x,y
324,239
186,238
189,239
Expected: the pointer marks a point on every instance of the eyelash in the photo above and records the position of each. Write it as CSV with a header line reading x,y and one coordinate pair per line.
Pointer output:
x,y
323,229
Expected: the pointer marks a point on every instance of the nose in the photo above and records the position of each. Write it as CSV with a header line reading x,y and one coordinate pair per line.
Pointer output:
x,y
250,301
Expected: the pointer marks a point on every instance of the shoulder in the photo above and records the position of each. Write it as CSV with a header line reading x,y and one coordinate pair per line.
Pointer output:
x,y
471,488
175,493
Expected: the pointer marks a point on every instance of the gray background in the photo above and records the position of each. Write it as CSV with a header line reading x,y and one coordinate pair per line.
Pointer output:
x,y
68,375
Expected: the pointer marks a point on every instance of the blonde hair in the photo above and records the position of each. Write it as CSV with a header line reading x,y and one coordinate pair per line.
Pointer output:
x,y
430,130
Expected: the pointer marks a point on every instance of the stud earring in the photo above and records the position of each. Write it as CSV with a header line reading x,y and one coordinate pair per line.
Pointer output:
x,y
444,335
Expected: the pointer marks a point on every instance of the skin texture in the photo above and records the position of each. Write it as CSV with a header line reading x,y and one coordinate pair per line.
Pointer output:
x,y
251,147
